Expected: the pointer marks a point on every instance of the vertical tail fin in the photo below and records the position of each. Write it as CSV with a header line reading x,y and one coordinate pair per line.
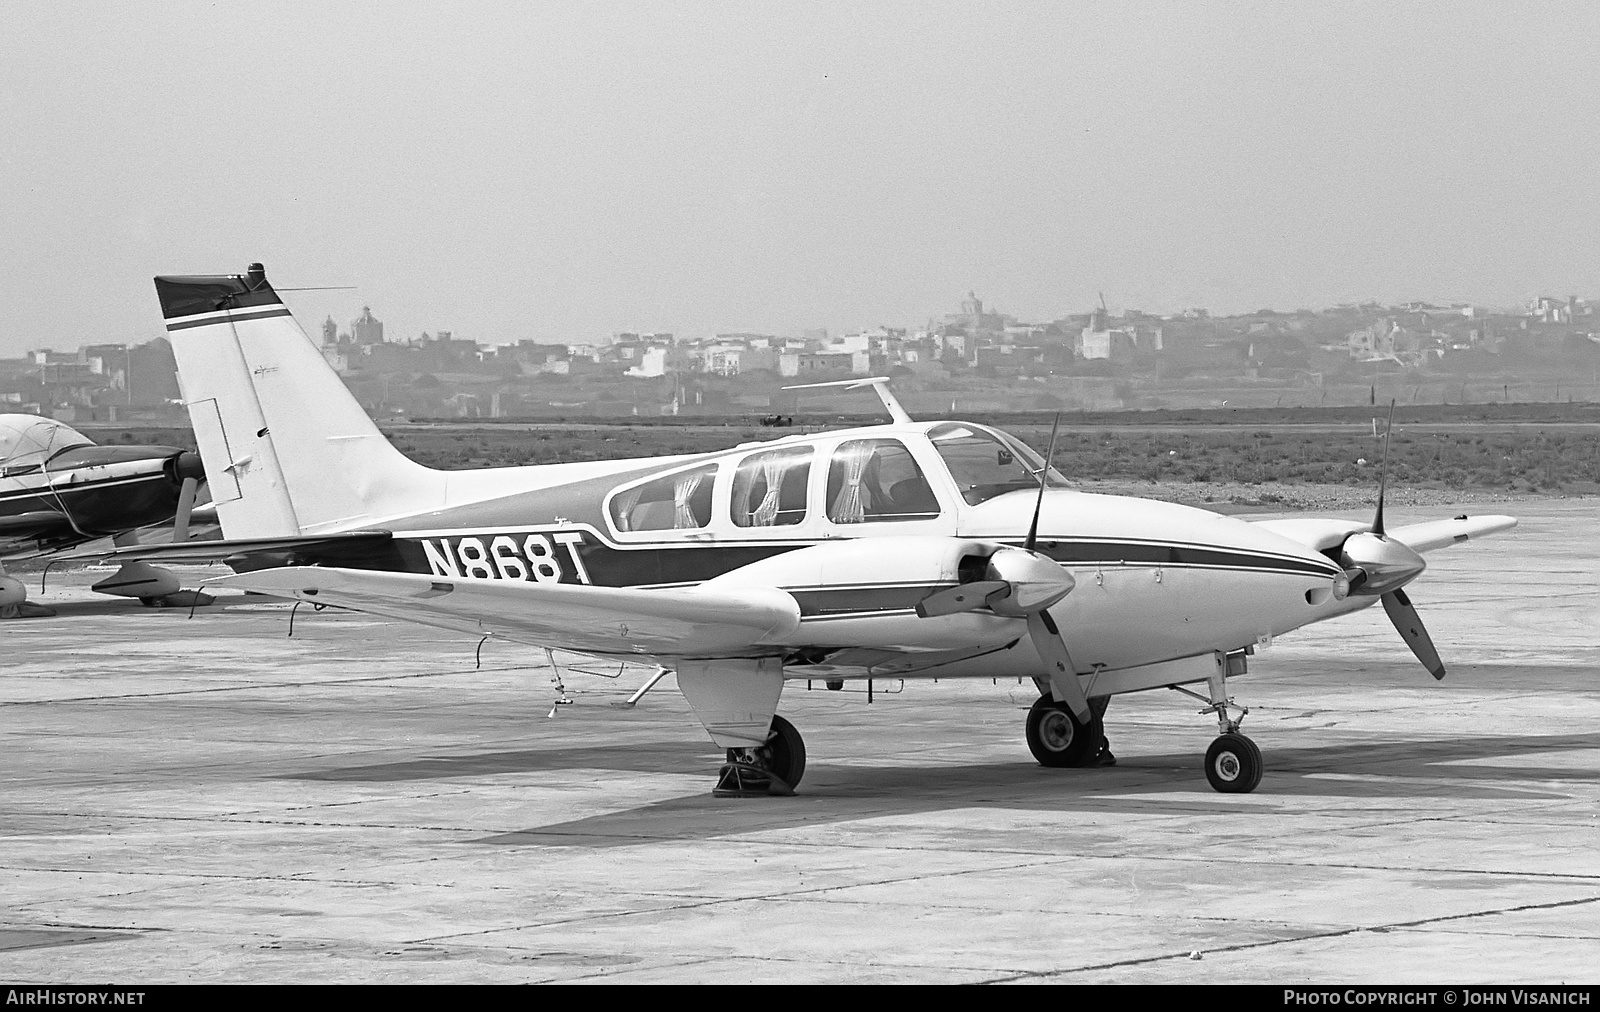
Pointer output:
x,y
287,449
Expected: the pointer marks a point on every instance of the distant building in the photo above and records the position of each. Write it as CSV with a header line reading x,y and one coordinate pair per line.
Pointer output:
x,y
652,363
365,329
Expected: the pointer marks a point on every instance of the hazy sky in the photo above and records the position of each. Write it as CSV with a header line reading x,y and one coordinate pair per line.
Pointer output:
x,y
564,171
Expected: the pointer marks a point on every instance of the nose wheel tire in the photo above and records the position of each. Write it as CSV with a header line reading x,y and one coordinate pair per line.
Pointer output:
x,y
1057,738
1233,764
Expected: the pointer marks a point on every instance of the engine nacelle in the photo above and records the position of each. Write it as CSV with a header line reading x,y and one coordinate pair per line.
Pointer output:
x,y
864,592
138,579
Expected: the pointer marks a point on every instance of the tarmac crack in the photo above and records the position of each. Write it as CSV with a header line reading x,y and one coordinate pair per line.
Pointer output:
x,y
1307,937
726,900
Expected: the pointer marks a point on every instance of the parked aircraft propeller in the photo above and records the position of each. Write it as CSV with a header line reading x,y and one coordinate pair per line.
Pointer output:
x,y
180,521
1379,566
1024,583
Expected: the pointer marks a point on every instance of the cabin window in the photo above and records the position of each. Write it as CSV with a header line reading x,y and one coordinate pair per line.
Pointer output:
x,y
676,502
984,464
769,489
871,480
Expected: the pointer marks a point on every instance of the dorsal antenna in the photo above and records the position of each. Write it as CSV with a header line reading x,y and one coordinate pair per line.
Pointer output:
x,y
878,383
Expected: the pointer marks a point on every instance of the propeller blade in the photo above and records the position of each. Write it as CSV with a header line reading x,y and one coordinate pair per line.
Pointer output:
x,y
1044,477
1383,473
1406,620
180,522
1063,676
966,597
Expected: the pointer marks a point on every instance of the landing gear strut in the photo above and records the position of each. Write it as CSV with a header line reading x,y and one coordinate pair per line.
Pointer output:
x,y
771,769
1233,762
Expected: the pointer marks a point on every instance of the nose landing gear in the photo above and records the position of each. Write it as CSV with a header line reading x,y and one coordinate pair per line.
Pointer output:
x,y
1233,762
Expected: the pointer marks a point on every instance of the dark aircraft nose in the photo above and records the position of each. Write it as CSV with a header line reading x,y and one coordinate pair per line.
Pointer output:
x,y
186,465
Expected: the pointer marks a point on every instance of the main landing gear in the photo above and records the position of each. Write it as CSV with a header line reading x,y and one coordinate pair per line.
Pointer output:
x,y
1058,739
773,769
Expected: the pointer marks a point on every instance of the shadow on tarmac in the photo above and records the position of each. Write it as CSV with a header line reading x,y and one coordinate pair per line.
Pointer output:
x,y
1166,783
105,605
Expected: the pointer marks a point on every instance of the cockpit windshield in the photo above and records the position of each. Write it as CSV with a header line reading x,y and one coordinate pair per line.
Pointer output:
x,y
28,441
985,463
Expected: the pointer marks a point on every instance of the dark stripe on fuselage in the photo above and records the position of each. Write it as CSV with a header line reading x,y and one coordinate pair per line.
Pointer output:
x,y
634,567
102,507
232,318
1161,554
606,564
65,489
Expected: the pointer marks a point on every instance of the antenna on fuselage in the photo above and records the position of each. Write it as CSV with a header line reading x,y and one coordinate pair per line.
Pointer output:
x,y
878,383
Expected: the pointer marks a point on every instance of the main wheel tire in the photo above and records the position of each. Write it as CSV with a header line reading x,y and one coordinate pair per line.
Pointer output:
x,y
1057,738
787,752
1233,764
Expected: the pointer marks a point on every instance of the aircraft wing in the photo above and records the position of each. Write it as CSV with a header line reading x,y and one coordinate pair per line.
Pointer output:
x,y
1425,537
1322,534
676,622
1317,533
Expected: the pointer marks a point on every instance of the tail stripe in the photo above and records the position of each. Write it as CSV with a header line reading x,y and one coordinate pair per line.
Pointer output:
x,y
225,318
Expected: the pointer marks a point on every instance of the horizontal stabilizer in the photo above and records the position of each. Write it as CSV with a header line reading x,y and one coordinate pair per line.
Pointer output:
x,y
1425,537
217,550
670,622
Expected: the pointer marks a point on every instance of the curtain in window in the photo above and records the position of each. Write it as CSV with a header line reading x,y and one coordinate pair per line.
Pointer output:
x,y
847,505
772,469
682,491
622,507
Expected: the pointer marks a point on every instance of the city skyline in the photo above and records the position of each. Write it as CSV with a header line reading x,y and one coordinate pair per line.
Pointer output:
x,y
538,172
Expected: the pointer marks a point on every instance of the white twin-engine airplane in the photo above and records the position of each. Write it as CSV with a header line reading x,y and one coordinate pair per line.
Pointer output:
x,y
907,550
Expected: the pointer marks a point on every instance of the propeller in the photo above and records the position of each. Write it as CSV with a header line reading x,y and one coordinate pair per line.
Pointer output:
x,y
188,468
1024,583
180,521
1405,619
1379,567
